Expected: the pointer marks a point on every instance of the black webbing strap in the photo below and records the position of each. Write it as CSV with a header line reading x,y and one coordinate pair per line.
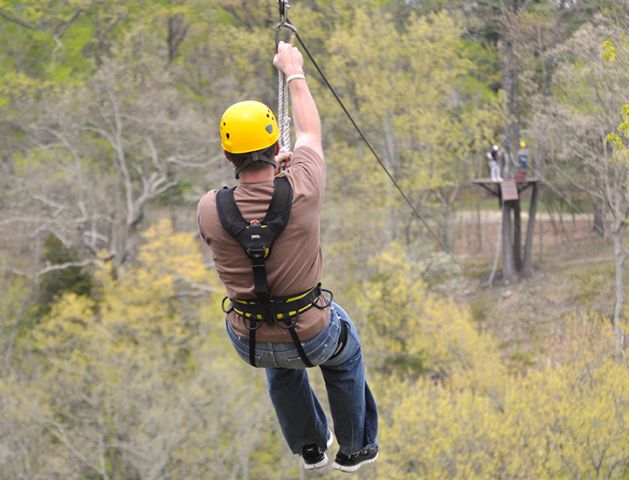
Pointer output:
x,y
342,340
278,213
257,238
252,342
298,344
293,335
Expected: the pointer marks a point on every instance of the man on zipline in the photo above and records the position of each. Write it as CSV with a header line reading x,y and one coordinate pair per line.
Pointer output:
x,y
264,235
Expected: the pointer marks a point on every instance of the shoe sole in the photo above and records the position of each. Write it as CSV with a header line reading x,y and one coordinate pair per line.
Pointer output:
x,y
354,468
318,465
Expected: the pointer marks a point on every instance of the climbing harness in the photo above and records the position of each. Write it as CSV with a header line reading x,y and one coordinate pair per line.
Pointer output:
x,y
256,238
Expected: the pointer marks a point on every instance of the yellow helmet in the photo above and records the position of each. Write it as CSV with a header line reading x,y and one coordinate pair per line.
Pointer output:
x,y
248,126
522,144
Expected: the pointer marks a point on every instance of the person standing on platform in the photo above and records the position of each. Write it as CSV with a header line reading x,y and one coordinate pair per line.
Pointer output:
x,y
494,163
523,156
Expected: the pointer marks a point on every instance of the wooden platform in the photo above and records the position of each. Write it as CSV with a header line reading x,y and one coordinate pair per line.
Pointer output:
x,y
489,181
509,189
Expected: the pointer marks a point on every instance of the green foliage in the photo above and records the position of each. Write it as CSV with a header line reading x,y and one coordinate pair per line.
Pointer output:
x,y
16,313
618,139
140,376
608,51
590,284
56,283
422,109
138,381
558,423
410,330
130,376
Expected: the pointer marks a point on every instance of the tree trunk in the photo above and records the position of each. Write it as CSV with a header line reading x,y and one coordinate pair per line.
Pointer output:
x,y
517,236
541,240
599,218
527,267
479,229
619,260
510,81
508,270
447,233
391,161
177,30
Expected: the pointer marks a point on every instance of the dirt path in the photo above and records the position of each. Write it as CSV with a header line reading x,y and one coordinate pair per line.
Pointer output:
x,y
495,216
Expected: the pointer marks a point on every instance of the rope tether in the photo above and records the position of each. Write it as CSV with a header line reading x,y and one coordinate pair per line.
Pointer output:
x,y
283,119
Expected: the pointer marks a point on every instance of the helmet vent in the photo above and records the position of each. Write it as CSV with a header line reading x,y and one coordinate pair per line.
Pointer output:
x,y
269,128
227,135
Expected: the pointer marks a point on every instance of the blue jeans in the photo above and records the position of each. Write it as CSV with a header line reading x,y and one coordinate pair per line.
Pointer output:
x,y
298,410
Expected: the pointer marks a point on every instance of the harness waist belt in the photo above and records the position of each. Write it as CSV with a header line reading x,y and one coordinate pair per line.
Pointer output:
x,y
277,308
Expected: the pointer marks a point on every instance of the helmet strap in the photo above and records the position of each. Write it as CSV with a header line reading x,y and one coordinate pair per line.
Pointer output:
x,y
254,157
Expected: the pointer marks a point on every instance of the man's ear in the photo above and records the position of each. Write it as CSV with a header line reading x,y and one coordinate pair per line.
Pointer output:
x,y
277,148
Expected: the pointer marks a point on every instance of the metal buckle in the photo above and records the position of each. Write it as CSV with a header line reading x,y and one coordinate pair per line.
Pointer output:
x,y
231,305
256,252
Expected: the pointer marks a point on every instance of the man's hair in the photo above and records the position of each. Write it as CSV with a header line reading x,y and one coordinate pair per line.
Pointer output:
x,y
252,161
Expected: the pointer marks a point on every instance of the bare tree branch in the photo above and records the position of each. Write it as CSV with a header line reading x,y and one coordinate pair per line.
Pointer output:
x,y
62,28
53,268
59,432
17,21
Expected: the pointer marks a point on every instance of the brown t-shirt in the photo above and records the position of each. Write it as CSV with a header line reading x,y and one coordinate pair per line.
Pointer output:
x,y
296,261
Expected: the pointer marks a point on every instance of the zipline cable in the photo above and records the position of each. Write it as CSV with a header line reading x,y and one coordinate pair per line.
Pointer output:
x,y
283,104
285,23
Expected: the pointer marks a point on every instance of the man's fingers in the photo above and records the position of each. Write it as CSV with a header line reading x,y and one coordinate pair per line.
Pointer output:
x,y
282,161
283,156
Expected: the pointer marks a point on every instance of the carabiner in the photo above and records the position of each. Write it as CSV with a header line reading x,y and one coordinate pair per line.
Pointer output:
x,y
287,25
284,21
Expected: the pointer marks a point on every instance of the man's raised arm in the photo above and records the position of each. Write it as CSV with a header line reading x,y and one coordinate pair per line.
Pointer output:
x,y
305,115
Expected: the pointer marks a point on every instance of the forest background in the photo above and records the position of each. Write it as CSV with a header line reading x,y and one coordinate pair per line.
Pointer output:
x,y
113,357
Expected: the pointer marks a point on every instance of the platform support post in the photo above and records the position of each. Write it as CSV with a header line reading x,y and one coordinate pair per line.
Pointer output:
x,y
527,267
508,268
517,236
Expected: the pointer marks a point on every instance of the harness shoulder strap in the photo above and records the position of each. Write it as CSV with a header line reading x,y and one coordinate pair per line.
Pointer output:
x,y
279,209
255,235
229,213
257,238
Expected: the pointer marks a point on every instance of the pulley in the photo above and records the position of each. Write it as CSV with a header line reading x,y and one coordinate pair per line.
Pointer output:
x,y
283,6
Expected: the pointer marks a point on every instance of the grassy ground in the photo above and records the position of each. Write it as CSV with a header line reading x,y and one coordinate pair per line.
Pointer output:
x,y
530,317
